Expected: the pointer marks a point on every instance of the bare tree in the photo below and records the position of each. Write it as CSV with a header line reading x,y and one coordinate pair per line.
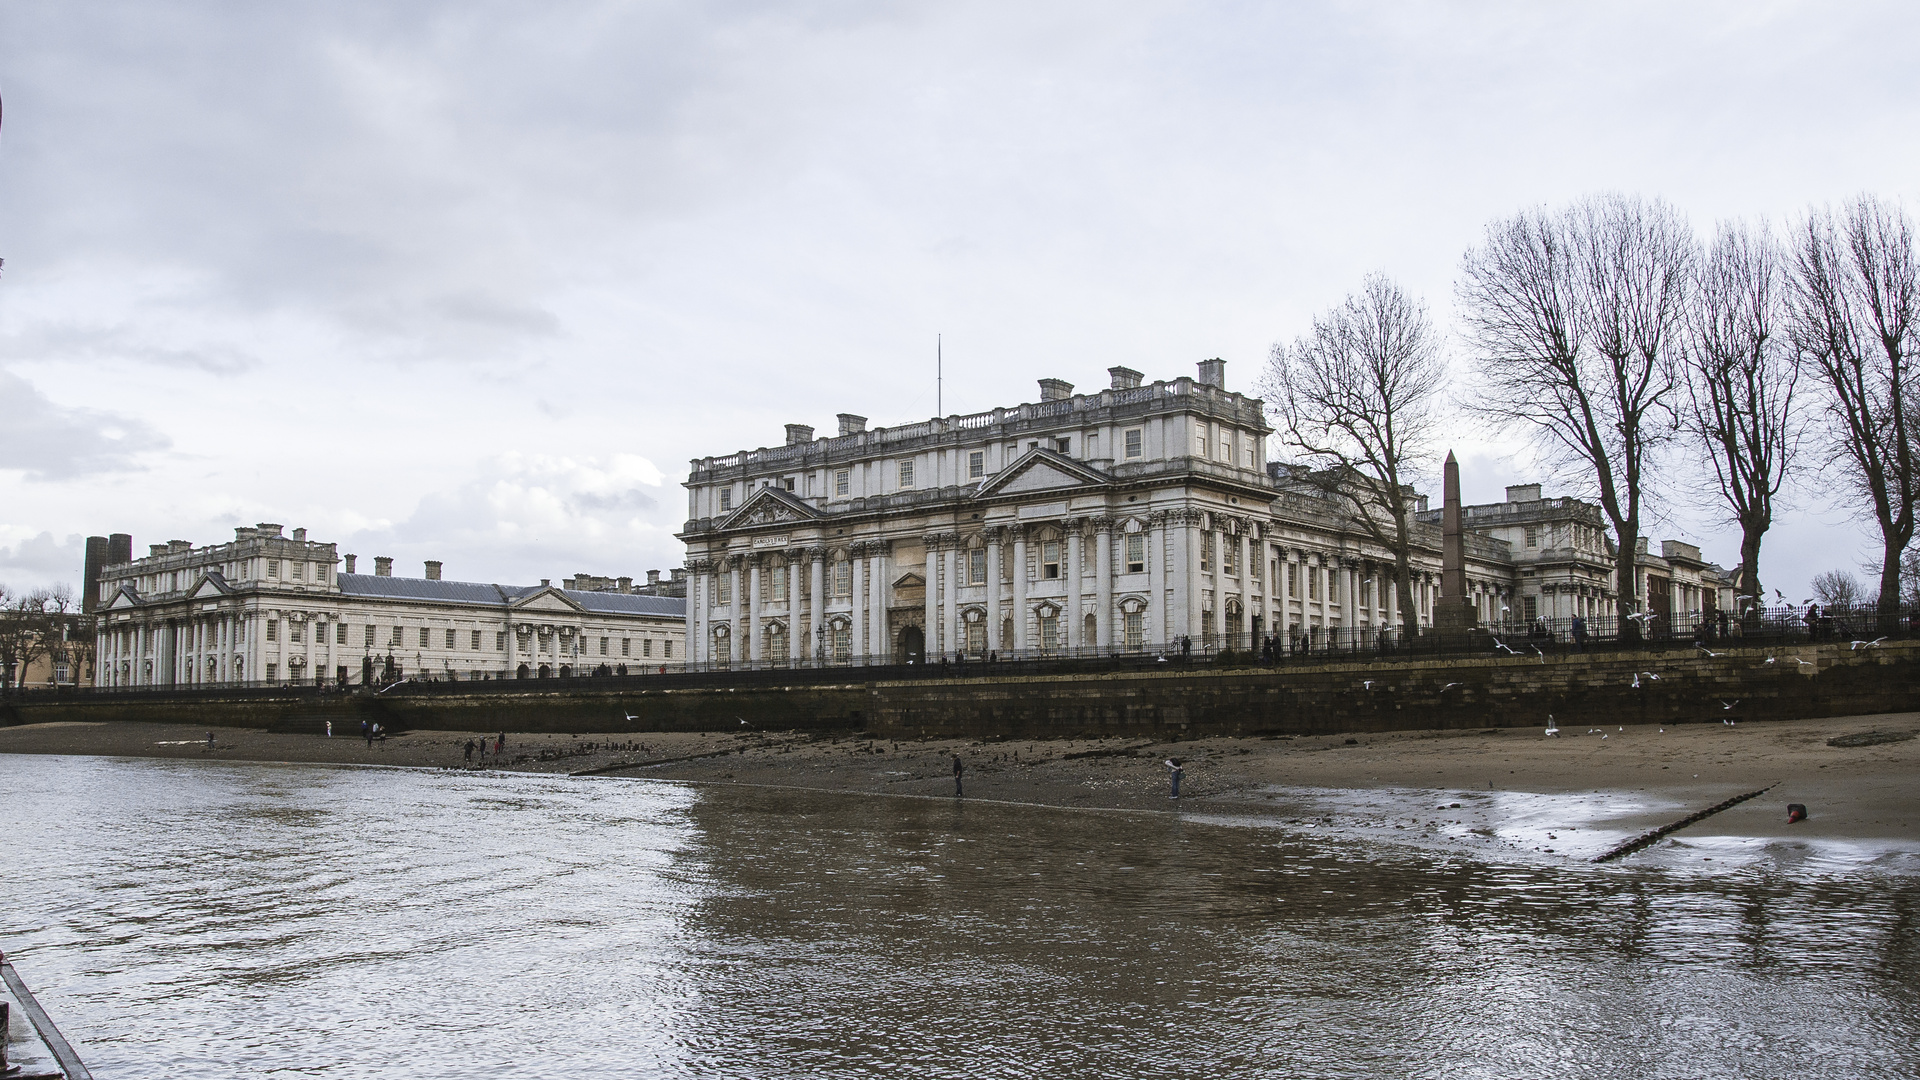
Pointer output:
x,y
1574,318
1356,397
1856,299
23,633
1836,588
1740,381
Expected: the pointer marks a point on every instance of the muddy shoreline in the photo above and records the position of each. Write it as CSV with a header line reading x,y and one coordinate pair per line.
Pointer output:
x,y
1512,791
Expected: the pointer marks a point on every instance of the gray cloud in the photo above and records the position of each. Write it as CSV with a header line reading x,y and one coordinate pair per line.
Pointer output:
x,y
49,441
42,559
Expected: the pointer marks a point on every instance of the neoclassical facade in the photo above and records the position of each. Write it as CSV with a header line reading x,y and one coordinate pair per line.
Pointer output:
x,y
270,608
1132,519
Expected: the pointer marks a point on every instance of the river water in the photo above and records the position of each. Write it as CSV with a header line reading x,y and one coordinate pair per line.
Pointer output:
x,y
248,920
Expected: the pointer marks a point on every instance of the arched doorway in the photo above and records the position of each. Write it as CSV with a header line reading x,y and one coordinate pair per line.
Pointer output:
x,y
523,672
546,672
912,648
566,671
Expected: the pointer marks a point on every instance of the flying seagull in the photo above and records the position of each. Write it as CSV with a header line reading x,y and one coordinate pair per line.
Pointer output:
x,y
1450,686
1706,650
1770,660
1727,706
630,717
1504,647
1858,645
1553,729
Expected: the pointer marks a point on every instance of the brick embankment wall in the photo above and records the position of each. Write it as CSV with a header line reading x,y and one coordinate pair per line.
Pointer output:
x,y
1576,690
549,710
1461,692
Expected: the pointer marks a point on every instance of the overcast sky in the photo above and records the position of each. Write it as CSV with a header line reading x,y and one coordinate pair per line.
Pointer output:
x,y
473,281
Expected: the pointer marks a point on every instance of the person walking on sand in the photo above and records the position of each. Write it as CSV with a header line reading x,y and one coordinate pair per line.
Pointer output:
x,y
501,746
469,751
329,729
958,768
209,740
1174,772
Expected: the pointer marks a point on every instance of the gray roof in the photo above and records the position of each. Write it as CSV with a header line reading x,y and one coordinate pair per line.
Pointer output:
x,y
478,594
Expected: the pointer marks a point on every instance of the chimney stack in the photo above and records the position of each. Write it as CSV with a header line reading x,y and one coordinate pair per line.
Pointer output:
x,y
1523,493
96,559
119,549
300,535
1055,390
267,528
350,560
1213,373
433,569
653,579
546,583
1124,378
851,424
382,566
799,433
626,586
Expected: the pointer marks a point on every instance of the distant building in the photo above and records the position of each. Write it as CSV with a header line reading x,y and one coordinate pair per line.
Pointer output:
x,y
276,609
45,648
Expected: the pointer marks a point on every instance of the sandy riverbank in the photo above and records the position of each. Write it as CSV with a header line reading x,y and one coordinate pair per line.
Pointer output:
x,y
1513,791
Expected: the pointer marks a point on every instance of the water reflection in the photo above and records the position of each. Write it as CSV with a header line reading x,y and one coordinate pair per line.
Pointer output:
x,y
238,920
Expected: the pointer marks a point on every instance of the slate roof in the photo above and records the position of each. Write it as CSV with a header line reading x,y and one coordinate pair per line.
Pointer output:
x,y
479,594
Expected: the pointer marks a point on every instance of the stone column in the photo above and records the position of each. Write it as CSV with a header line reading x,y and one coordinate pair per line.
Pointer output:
x,y
794,631
857,627
737,648
994,643
1190,533
1072,635
697,615
1019,589
881,569
932,542
817,605
754,649
951,640
1103,583
1156,613
1248,552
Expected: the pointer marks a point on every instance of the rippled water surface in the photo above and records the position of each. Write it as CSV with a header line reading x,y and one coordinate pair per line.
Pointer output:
x,y
214,920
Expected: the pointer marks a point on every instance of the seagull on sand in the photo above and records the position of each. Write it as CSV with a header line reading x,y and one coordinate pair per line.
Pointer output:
x,y
1553,729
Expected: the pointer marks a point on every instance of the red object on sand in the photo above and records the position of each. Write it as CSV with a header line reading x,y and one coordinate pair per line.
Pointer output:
x,y
1796,812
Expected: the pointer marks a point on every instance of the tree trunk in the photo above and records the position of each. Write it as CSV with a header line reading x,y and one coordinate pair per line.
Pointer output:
x,y
1627,592
1751,533
1403,585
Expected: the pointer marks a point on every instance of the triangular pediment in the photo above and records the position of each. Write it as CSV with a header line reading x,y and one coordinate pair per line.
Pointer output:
x,y
1041,470
771,506
910,581
210,587
548,599
124,598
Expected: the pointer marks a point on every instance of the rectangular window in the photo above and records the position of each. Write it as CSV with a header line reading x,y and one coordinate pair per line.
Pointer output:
x,y
1206,552
726,500
626,646
1253,564
1135,443
906,474
843,483
296,632
843,579
320,572
1206,627
1226,447
273,673
666,649
1313,582
273,568
1136,630
789,483
976,464
646,646
299,570
273,629
603,646
1049,633
1136,553
977,637
398,638
1230,556
499,641
1063,446
777,585
1532,605
450,637
340,633
474,643
369,641
1050,559
1533,538
425,641
842,643
724,593
977,566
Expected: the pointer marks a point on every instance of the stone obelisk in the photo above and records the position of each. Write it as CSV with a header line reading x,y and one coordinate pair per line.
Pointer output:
x,y
1454,615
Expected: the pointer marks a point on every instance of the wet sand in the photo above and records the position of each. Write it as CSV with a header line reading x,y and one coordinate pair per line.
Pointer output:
x,y
1513,791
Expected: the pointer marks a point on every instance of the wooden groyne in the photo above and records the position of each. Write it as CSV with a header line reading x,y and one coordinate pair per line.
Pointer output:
x,y
1646,838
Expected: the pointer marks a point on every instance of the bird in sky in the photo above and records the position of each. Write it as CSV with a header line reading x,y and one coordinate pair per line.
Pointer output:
x,y
1780,596
1450,686
1504,647
1651,675
1803,663
1706,650
1727,706
743,722
1769,660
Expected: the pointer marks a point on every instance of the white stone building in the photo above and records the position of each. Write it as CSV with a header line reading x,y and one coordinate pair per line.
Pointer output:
x,y
1119,521
275,609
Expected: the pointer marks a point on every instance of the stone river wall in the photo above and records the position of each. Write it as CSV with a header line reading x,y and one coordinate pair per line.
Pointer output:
x,y
1459,692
